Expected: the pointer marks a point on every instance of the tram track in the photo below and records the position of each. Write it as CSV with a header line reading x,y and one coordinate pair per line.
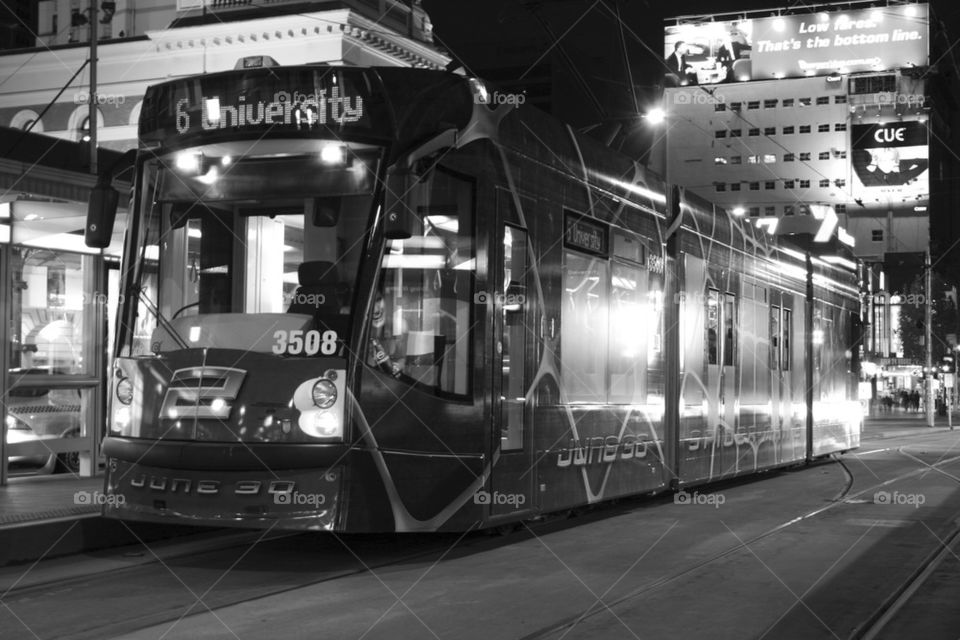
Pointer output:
x,y
374,556
882,617
893,603
171,612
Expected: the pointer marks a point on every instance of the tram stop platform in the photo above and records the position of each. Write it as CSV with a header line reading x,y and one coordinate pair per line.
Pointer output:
x,y
58,515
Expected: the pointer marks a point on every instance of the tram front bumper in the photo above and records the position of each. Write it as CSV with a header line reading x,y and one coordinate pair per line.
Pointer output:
x,y
286,499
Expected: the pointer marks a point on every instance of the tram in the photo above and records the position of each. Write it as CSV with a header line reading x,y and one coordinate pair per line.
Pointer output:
x,y
373,299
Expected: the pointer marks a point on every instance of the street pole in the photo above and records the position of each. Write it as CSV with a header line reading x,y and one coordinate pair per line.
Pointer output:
x,y
928,341
92,118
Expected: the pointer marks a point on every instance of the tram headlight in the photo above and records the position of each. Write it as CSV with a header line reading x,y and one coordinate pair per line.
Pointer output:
x,y
324,393
320,402
124,391
121,419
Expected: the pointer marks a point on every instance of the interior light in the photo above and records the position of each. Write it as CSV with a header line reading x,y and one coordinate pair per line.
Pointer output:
x,y
779,24
333,154
226,160
738,211
210,176
189,161
910,10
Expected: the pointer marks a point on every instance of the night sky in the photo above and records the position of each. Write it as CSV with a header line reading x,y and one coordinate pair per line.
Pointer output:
x,y
514,38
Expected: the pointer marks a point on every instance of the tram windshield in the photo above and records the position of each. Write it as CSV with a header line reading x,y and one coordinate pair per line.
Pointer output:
x,y
237,237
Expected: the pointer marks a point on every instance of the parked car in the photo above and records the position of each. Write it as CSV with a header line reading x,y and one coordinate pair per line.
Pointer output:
x,y
40,413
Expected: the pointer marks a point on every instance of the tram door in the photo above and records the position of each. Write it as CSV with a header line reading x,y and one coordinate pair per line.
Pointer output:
x,y
513,474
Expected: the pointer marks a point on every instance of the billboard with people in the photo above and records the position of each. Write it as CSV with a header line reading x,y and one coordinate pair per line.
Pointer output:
x,y
796,45
890,161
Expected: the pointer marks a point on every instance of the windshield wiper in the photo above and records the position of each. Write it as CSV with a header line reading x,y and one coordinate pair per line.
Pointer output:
x,y
161,319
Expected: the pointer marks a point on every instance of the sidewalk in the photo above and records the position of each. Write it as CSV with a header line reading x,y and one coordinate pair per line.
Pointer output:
x,y
900,423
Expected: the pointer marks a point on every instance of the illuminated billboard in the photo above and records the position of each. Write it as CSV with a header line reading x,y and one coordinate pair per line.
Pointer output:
x,y
890,162
797,45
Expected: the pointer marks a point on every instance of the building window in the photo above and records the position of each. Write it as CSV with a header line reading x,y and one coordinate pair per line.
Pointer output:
x,y
788,102
824,155
823,128
840,182
770,184
735,159
840,126
720,134
788,209
754,186
788,130
876,235
886,83
754,212
825,182
769,211
804,184
769,158
735,133
788,157
753,104
753,132
735,106
804,128
841,154
769,131
720,106
805,156
842,99
735,186
753,159
720,186
840,208
804,102
823,99
719,160
770,104
789,184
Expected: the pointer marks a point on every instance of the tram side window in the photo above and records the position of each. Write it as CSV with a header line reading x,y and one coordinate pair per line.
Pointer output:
x,y
632,326
775,338
420,326
785,343
713,326
584,329
729,330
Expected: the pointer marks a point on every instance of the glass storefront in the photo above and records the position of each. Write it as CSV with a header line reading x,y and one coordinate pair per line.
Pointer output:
x,y
54,315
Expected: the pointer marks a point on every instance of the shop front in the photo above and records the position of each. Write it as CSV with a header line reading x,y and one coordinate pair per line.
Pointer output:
x,y
57,302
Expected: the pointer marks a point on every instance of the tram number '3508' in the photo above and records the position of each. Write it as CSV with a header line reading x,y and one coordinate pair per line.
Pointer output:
x,y
309,343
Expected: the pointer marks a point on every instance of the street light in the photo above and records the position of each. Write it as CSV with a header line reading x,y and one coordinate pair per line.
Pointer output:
x,y
655,116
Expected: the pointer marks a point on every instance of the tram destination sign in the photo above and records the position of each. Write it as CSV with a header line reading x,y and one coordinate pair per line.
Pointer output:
x,y
258,100
587,235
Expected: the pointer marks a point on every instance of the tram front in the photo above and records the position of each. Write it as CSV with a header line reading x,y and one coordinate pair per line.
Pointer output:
x,y
243,271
